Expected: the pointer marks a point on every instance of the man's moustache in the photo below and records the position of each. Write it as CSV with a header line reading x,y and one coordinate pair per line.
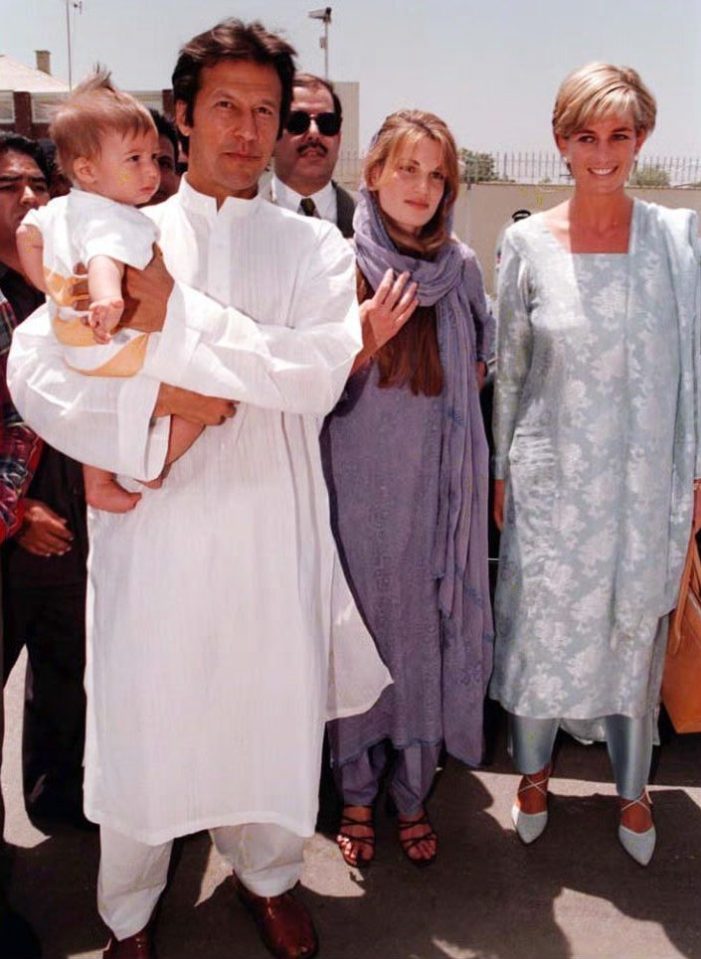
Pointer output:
x,y
314,145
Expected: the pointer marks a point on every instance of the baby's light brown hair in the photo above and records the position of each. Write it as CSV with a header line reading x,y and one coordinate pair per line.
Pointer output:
x,y
93,109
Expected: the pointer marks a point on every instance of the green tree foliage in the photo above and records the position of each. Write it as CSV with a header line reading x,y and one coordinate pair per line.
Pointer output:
x,y
650,176
477,167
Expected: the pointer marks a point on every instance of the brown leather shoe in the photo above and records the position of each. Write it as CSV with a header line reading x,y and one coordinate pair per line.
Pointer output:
x,y
284,924
138,946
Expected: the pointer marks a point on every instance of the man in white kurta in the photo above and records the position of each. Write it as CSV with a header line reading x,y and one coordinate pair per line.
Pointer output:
x,y
213,604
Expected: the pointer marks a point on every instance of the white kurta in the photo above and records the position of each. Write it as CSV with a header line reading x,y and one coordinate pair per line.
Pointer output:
x,y
210,605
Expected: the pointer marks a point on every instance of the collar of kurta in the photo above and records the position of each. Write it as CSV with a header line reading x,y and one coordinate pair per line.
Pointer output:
x,y
206,206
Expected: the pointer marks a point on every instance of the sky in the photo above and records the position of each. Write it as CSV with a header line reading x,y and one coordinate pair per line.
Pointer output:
x,y
490,69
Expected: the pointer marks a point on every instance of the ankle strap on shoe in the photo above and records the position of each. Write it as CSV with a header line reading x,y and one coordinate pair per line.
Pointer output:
x,y
642,800
535,784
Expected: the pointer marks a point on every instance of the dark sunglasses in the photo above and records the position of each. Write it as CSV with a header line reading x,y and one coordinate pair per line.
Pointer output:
x,y
299,121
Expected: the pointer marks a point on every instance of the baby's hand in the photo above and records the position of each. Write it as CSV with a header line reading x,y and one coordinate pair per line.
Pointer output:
x,y
104,317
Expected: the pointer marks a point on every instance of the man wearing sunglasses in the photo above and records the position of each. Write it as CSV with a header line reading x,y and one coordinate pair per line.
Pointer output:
x,y
306,154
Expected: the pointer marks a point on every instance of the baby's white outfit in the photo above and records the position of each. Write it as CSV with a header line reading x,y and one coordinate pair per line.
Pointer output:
x,y
75,228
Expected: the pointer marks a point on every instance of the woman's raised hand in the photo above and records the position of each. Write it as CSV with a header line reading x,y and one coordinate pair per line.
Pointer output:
x,y
386,313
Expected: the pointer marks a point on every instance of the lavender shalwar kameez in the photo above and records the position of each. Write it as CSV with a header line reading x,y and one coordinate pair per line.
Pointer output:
x,y
407,476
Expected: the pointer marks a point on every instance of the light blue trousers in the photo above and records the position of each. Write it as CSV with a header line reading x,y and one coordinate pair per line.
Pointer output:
x,y
628,740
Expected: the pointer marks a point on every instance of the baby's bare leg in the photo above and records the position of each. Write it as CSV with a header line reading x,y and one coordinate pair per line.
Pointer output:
x,y
183,434
102,491
106,303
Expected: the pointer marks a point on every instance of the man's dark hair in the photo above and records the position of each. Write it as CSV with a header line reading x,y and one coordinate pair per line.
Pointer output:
x,y
15,143
166,128
233,40
309,81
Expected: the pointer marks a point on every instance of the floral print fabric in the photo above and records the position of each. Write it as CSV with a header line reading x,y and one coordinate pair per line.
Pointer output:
x,y
587,412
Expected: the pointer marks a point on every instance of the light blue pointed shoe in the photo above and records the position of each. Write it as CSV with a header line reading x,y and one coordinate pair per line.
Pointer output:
x,y
639,845
530,826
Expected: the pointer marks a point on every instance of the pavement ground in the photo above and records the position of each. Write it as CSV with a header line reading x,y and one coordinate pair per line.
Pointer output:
x,y
573,895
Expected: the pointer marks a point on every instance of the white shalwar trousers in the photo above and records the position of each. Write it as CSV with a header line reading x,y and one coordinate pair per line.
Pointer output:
x,y
266,858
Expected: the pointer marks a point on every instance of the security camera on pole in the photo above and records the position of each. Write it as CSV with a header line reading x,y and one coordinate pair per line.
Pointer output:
x,y
324,14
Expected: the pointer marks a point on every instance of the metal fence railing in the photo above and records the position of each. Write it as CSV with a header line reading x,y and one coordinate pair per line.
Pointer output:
x,y
542,167
548,167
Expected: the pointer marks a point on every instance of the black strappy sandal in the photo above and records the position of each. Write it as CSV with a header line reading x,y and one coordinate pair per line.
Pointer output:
x,y
408,844
360,862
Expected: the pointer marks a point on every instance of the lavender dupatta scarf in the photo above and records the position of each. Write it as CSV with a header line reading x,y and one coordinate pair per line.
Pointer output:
x,y
452,284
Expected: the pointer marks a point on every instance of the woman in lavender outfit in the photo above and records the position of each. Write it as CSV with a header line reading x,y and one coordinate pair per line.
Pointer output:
x,y
406,463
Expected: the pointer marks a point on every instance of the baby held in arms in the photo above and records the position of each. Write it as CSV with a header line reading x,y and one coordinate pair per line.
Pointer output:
x,y
107,146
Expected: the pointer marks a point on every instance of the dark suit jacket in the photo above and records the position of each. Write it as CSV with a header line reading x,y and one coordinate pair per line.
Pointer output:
x,y
346,208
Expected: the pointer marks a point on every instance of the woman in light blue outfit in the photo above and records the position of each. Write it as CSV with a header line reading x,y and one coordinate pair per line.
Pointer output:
x,y
596,420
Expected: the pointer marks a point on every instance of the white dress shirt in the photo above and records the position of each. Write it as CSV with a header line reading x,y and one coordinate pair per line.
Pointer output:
x,y
324,201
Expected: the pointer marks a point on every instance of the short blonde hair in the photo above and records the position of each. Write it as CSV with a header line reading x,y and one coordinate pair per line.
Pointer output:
x,y
405,129
598,90
94,108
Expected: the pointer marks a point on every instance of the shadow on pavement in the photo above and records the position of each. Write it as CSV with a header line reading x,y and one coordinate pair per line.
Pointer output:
x,y
53,884
487,896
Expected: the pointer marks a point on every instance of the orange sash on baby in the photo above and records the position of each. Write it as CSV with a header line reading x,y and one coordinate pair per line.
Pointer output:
x,y
127,362
73,332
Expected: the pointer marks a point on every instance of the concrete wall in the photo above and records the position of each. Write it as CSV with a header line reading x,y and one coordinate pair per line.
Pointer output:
x,y
484,209
349,95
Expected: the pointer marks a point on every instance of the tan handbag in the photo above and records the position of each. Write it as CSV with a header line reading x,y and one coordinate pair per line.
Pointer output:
x,y
681,683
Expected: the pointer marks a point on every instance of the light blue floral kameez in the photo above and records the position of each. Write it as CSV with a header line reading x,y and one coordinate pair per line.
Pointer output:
x,y
595,431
